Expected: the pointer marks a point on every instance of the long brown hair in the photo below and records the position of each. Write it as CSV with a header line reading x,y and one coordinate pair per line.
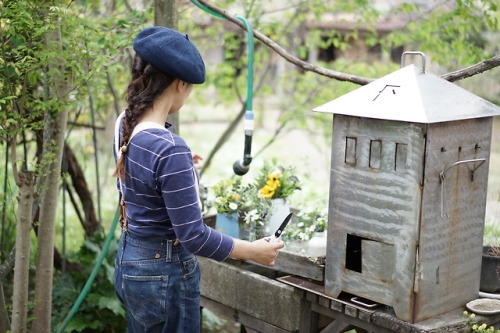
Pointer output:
x,y
146,85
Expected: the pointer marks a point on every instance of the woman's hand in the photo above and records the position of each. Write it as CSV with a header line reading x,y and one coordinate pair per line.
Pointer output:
x,y
260,251
266,252
196,161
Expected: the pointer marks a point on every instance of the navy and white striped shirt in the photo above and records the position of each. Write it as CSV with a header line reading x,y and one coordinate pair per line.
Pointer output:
x,y
161,194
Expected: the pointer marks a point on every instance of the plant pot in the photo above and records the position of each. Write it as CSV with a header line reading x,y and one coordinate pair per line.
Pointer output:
x,y
490,270
317,245
227,223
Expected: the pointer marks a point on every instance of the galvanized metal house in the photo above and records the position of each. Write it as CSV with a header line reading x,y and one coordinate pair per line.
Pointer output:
x,y
409,173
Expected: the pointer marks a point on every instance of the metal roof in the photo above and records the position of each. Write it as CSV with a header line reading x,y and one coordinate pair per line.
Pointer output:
x,y
411,96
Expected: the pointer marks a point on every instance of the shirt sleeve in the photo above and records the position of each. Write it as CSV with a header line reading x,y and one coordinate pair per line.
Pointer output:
x,y
175,174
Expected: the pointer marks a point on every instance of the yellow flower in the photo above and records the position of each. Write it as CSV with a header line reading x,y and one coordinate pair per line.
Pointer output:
x,y
275,175
472,316
482,327
273,183
474,327
276,179
266,192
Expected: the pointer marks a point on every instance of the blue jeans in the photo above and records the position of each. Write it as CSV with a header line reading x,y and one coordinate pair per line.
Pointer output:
x,y
158,283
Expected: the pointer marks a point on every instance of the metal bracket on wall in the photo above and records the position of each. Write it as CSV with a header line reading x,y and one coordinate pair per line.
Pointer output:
x,y
442,177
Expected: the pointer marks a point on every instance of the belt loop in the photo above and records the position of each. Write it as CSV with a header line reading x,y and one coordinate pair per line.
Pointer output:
x,y
169,252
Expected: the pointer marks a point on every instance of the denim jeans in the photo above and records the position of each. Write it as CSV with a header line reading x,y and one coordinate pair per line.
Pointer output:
x,y
158,283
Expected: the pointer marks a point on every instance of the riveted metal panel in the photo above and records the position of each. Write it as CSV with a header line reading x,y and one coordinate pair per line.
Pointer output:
x,y
453,210
373,205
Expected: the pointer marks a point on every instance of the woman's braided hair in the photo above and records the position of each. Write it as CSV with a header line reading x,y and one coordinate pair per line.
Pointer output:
x,y
146,85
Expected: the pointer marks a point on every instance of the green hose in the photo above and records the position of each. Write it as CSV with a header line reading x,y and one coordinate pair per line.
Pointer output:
x,y
109,237
250,62
249,50
92,276
241,167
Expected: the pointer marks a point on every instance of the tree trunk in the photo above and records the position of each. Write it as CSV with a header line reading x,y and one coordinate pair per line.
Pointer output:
x,y
167,15
54,134
89,221
25,182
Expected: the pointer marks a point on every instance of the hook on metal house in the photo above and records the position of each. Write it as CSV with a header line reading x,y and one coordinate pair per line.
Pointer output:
x,y
442,177
413,53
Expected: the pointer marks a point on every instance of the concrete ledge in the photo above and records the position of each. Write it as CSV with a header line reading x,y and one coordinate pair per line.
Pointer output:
x,y
250,293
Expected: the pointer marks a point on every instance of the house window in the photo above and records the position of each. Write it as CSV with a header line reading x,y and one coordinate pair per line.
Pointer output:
x,y
375,154
350,151
327,52
401,157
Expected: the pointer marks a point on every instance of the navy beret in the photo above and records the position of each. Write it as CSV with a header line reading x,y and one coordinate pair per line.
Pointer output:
x,y
172,53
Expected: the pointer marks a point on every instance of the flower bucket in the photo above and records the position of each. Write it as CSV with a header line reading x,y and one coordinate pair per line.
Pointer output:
x,y
279,210
317,245
227,223
490,271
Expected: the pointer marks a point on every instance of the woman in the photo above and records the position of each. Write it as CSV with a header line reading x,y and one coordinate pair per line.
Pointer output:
x,y
157,274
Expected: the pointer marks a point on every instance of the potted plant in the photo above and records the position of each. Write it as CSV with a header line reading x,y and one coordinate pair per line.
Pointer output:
x,y
490,270
308,225
275,184
317,244
229,201
255,215
255,222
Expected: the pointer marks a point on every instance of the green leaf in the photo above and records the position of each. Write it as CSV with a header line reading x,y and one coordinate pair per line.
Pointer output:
x,y
112,304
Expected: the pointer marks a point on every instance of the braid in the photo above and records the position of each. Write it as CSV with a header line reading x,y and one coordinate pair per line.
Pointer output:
x,y
146,85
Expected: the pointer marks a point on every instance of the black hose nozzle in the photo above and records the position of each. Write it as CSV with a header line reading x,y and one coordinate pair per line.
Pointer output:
x,y
241,167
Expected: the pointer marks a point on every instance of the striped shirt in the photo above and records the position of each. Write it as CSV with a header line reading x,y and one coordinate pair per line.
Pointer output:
x,y
161,194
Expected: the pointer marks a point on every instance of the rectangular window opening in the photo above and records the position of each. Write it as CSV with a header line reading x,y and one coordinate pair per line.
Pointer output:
x,y
375,154
350,151
353,253
401,157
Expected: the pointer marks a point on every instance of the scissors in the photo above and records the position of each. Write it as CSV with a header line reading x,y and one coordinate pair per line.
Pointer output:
x,y
278,232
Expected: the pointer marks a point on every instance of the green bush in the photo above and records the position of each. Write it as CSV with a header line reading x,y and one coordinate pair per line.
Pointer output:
x,y
100,311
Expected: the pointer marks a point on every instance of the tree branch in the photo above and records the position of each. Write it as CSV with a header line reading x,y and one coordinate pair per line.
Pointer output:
x,y
453,76
113,93
7,266
289,57
478,68
224,138
13,159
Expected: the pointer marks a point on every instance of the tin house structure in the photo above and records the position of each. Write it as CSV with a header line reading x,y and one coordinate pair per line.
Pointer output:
x,y
409,172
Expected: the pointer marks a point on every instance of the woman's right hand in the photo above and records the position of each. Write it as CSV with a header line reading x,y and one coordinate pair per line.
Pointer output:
x,y
260,251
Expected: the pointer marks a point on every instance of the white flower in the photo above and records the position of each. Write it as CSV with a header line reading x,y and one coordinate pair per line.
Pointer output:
x,y
252,216
233,206
322,219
